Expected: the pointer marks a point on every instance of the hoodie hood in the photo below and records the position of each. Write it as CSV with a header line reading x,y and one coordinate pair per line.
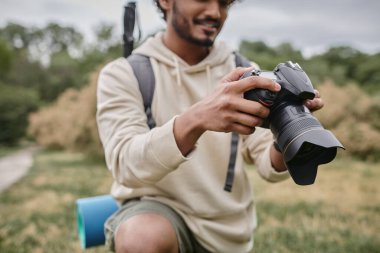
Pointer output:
x,y
155,48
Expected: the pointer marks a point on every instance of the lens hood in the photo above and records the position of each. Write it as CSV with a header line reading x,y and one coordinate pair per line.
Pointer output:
x,y
304,171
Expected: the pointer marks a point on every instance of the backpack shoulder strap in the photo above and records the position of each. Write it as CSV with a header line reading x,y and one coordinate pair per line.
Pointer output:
x,y
240,61
143,71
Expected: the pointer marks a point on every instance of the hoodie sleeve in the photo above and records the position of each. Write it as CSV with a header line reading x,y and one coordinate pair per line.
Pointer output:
x,y
256,149
136,155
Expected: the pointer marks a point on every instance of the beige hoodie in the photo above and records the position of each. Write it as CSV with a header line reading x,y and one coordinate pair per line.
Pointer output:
x,y
147,163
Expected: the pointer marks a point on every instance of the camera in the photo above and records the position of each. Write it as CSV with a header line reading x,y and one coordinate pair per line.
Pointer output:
x,y
300,137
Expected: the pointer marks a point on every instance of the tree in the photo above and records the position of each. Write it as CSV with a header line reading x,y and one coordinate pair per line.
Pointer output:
x,y
367,73
268,57
107,46
15,105
5,58
17,35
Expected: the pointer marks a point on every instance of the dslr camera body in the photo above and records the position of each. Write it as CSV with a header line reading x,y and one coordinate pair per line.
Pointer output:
x,y
300,137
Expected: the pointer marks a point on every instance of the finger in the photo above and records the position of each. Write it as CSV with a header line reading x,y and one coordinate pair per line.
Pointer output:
x,y
319,103
247,120
250,107
255,82
317,94
242,129
235,74
314,104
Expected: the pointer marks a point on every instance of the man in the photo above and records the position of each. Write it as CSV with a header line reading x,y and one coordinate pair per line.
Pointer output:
x,y
170,178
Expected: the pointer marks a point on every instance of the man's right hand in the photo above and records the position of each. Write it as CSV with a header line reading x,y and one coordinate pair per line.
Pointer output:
x,y
225,110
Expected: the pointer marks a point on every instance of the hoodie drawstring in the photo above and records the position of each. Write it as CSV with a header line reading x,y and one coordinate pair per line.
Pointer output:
x,y
208,71
178,74
177,71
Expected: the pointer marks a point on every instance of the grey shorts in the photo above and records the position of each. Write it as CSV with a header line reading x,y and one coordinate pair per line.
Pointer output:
x,y
186,241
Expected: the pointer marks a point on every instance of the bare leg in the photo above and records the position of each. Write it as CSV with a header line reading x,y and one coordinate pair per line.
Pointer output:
x,y
146,233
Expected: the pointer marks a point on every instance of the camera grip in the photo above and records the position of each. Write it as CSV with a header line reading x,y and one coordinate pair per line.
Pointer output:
x,y
263,96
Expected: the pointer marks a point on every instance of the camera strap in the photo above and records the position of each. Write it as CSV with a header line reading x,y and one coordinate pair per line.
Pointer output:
x,y
240,61
143,71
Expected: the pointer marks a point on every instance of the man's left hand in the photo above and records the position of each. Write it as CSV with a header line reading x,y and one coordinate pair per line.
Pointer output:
x,y
316,103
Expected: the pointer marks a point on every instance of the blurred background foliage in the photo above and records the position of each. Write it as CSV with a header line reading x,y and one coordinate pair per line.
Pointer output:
x,y
48,79
48,86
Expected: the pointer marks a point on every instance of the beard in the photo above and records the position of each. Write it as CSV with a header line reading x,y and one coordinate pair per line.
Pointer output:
x,y
182,28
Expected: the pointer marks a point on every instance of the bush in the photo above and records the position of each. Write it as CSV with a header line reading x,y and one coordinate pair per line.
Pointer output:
x,y
69,123
350,113
15,105
354,117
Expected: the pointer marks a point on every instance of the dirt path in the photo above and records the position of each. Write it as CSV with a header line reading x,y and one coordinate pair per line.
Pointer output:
x,y
14,166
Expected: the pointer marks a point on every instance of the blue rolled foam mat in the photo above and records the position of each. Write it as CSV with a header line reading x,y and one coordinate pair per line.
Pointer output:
x,y
92,213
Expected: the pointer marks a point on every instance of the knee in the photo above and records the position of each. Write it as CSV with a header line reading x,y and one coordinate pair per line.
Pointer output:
x,y
147,233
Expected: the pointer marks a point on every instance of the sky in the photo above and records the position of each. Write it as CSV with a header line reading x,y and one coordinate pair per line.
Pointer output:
x,y
311,26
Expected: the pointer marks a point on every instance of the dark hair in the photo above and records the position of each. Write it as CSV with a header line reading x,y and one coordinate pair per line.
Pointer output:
x,y
157,2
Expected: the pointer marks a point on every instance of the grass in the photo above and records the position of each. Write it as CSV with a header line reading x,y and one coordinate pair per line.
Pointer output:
x,y
38,212
339,213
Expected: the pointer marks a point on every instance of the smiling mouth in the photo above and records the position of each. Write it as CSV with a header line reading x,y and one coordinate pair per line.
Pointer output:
x,y
208,23
211,25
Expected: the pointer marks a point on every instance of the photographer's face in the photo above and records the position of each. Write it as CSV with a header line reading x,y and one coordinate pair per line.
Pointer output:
x,y
198,21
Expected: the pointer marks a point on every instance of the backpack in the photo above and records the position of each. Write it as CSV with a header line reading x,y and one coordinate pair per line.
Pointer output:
x,y
143,72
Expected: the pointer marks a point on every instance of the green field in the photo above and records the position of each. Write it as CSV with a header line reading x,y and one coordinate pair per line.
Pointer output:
x,y
339,213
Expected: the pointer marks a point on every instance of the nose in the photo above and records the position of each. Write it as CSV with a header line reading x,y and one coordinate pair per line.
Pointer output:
x,y
213,10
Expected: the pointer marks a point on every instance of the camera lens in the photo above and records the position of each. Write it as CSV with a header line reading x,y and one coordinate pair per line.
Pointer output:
x,y
301,138
305,153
